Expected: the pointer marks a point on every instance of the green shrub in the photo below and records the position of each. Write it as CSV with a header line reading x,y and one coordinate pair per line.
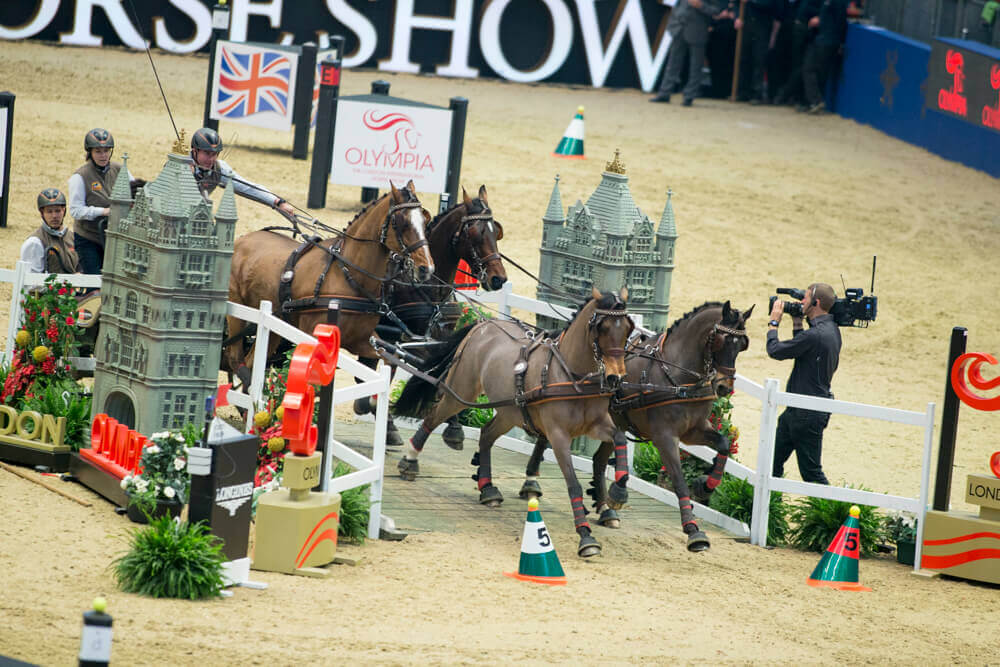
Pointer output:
x,y
647,464
171,559
64,397
817,521
734,497
476,417
354,508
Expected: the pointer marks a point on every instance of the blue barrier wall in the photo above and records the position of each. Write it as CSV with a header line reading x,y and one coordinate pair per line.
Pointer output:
x,y
882,84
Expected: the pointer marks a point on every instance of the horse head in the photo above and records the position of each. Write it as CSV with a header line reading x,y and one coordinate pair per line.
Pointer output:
x,y
727,340
609,327
475,241
407,219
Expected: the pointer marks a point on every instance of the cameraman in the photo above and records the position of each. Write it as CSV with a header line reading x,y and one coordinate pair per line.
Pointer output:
x,y
816,352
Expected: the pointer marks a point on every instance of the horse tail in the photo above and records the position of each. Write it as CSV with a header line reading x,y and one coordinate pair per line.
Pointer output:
x,y
419,395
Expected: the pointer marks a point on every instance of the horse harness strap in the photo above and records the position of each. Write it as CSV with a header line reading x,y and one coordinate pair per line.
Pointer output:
x,y
366,304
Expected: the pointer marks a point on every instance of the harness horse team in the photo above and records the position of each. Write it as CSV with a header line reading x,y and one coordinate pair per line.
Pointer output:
x,y
391,273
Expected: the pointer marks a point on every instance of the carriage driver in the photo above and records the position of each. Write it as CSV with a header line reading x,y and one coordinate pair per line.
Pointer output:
x,y
211,172
50,248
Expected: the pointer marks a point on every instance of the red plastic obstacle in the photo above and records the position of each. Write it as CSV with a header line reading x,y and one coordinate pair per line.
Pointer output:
x,y
312,363
114,448
838,568
463,277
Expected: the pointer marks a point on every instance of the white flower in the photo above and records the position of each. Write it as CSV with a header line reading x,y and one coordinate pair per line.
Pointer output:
x,y
178,437
169,492
124,483
156,489
160,436
141,484
179,463
153,449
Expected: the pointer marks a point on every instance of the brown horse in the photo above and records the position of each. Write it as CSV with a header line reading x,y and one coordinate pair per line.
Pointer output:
x,y
674,382
557,389
383,241
466,231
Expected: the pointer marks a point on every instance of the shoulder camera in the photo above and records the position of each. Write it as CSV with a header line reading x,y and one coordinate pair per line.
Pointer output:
x,y
853,310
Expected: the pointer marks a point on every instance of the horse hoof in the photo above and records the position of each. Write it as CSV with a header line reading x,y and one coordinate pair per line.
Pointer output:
x,y
408,469
609,519
617,496
698,541
392,438
490,496
454,436
588,547
530,489
362,406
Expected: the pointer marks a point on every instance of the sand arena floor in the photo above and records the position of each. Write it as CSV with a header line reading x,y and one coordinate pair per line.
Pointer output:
x,y
763,198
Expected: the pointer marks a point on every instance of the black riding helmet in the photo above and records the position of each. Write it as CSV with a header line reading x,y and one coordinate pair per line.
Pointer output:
x,y
206,139
98,138
50,197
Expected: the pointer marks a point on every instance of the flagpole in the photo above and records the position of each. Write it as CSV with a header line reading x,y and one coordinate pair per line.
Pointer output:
x,y
220,25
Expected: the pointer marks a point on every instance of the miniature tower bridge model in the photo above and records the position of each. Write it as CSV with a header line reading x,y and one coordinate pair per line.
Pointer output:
x,y
163,299
608,243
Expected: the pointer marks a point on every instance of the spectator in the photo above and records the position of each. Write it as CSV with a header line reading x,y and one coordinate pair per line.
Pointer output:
x,y
816,353
50,249
760,25
688,27
821,56
802,35
720,50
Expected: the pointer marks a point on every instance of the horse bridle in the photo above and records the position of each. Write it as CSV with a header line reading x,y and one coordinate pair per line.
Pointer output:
x,y
478,264
407,250
721,373
598,317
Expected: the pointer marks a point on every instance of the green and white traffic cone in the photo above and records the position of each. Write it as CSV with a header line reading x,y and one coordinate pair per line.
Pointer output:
x,y
539,562
571,145
95,640
838,568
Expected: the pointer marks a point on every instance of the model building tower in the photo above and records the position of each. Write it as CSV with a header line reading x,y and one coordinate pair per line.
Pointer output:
x,y
163,299
609,243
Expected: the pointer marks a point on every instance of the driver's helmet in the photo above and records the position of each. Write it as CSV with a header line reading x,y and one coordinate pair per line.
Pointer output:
x,y
50,197
206,139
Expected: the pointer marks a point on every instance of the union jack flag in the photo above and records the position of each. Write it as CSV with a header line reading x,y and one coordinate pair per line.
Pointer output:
x,y
253,82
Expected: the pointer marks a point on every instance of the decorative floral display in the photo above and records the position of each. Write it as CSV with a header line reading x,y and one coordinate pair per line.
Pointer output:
x,y
48,336
471,315
721,420
901,527
163,473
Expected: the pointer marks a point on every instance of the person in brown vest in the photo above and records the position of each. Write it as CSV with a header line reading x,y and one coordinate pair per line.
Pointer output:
x,y
90,198
50,248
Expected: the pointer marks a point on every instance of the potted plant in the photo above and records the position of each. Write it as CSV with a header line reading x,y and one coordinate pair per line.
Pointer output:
x,y
163,483
902,529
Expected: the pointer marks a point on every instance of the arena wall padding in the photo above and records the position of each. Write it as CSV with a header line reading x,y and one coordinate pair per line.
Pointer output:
x,y
883,84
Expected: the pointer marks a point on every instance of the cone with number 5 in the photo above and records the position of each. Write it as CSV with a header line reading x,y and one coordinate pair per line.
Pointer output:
x,y
838,568
539,562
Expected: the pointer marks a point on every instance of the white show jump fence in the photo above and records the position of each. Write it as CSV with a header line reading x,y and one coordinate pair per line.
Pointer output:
x,y
367,471
761,479
371,471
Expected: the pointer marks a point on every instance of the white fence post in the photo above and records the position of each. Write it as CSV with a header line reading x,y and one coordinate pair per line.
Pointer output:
x,y
378,454
504,304
256,389
14,319
765,461
924,485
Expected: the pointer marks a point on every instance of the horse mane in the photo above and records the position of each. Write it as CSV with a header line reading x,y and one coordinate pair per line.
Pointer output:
x,y
692,313
607,301
448,211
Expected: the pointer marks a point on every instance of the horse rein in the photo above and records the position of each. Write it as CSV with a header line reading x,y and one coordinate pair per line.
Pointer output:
x,y
478,264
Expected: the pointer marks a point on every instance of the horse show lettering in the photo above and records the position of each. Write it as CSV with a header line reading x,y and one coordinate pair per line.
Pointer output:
x,y
114,448
964,82
953,100
46,432
233,497
619,43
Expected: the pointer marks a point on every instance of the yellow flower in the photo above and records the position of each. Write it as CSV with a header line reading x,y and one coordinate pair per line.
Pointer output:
x,y
276,444
22,338
279,414
262,419
40,353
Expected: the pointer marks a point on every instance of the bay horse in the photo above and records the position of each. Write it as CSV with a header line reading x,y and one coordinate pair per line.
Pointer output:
x,y
557,389
382,242
466,231
673,383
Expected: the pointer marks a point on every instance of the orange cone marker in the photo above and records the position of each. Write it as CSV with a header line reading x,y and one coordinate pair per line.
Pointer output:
x,y
838,568
539,562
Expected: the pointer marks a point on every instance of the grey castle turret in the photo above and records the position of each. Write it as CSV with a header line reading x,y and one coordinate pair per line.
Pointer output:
x,y
163,300
609,243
